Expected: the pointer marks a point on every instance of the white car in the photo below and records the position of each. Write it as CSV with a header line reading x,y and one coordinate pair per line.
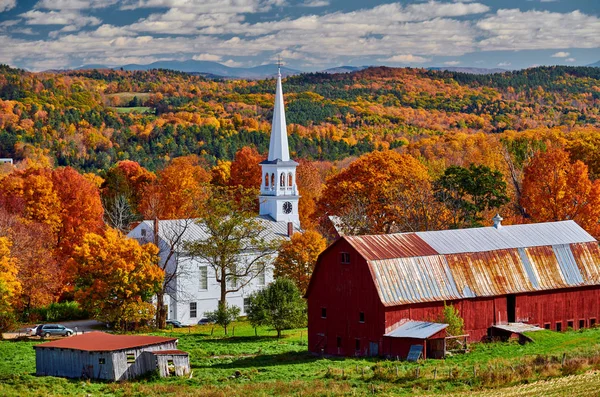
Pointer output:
x,y
32,331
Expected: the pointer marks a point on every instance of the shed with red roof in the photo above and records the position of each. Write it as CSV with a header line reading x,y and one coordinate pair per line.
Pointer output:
x,y
98,355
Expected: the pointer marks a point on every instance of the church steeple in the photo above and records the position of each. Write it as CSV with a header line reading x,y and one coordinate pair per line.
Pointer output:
x,y
278,192
278,145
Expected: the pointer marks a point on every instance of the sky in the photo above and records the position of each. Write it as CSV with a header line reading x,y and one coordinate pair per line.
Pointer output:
x,y
309,35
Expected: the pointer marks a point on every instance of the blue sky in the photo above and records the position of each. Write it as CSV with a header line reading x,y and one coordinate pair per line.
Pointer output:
x,y
309,34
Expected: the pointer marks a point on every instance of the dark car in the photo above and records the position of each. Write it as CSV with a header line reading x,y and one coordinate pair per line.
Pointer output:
x,y
175,323
204,321
53,329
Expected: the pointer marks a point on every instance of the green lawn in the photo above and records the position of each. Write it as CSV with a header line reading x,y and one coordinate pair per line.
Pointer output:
x,y
250,365
136,109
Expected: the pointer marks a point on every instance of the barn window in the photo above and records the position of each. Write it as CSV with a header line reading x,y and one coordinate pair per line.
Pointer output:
x,y
193,309
357,344
101,361
570,324
581,324
339,342
203,277
171,367
130,358
546,325
361,317
323,312
592,322
558,326
345,258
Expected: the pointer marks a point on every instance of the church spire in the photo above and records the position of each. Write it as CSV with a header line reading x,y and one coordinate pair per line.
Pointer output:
x,y
278,145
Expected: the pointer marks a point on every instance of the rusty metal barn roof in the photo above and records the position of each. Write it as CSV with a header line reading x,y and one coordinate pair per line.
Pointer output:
x,y
455,264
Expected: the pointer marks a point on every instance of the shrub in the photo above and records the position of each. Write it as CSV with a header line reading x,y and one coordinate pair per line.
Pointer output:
x,y
63,311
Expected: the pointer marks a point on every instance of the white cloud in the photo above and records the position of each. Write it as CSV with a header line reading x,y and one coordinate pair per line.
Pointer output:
x,y
207,57
452,63
504,64
6,5
560,54
73,4
406,58
35,17
570,60
531,30
314,3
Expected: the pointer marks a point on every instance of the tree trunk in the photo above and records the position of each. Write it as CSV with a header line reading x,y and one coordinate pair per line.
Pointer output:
x,y
278,333
223,299
161,315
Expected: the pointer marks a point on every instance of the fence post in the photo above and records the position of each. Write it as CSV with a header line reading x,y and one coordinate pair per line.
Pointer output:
x,y
434,373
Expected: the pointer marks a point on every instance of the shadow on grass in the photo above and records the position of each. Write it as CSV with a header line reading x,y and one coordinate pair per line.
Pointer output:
x,y
233,340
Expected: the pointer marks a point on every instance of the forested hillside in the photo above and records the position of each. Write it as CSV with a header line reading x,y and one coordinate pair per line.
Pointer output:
x,y
92,119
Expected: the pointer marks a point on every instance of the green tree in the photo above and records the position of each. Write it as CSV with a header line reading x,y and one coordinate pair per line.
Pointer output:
x,y
237,244
224,315
280,306
466,192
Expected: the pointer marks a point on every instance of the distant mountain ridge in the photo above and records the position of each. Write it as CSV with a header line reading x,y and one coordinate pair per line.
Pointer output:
x,y
212,69
470,70
595,64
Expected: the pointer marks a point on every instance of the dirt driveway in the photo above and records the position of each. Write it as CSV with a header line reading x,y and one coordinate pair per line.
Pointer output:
x,y
79,326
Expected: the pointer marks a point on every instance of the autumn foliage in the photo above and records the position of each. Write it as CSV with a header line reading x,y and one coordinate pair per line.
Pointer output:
x,y
297,257
115,277
556,189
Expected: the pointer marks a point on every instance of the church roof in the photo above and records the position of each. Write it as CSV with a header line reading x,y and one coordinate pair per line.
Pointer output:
x,y
278,145
194,231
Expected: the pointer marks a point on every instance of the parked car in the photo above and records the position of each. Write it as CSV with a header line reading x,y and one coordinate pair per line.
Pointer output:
x,y
53,329
175,323
204,321
33,330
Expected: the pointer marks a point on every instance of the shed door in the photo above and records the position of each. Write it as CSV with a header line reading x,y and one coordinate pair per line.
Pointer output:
x,y
373,349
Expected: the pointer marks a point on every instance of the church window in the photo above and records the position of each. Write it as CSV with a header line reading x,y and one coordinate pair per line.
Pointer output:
x,y
193,309
261,276
204,277
267,180
282,179
290,180
272,180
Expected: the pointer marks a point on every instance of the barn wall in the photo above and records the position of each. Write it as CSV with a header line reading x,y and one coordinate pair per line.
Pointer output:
x,y
124,370
344,290
478,314
181,364
73,363
550,307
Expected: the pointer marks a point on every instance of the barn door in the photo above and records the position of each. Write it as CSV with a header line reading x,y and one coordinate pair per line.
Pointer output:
x,y
373,348
511,303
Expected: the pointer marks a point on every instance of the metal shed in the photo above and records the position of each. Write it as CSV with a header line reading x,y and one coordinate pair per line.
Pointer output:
x,y
98,355
431,336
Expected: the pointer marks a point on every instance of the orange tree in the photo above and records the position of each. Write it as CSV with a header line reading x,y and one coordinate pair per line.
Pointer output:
x,y
115,277
297,257
10,286
555,189
382,192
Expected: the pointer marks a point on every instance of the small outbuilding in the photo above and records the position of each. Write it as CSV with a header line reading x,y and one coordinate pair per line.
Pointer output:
x,y
98,355
430,336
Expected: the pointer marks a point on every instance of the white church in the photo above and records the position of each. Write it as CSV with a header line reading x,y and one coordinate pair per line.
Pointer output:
x,y
192,285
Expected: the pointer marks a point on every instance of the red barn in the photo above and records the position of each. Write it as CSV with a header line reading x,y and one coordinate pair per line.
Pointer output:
x,y
364,288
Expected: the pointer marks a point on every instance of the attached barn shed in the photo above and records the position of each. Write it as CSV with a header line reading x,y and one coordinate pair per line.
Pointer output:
x,y
98,355
364,287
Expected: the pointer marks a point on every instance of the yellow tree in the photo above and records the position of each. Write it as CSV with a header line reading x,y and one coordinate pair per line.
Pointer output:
x,y
115,277
9,284
554,189
310,187
297,257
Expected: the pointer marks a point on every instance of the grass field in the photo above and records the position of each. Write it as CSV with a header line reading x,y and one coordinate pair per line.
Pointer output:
x,y
135,109
263,365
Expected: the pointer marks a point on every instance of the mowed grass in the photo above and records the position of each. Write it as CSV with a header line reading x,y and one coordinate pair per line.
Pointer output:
x,y
135,109
245,364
